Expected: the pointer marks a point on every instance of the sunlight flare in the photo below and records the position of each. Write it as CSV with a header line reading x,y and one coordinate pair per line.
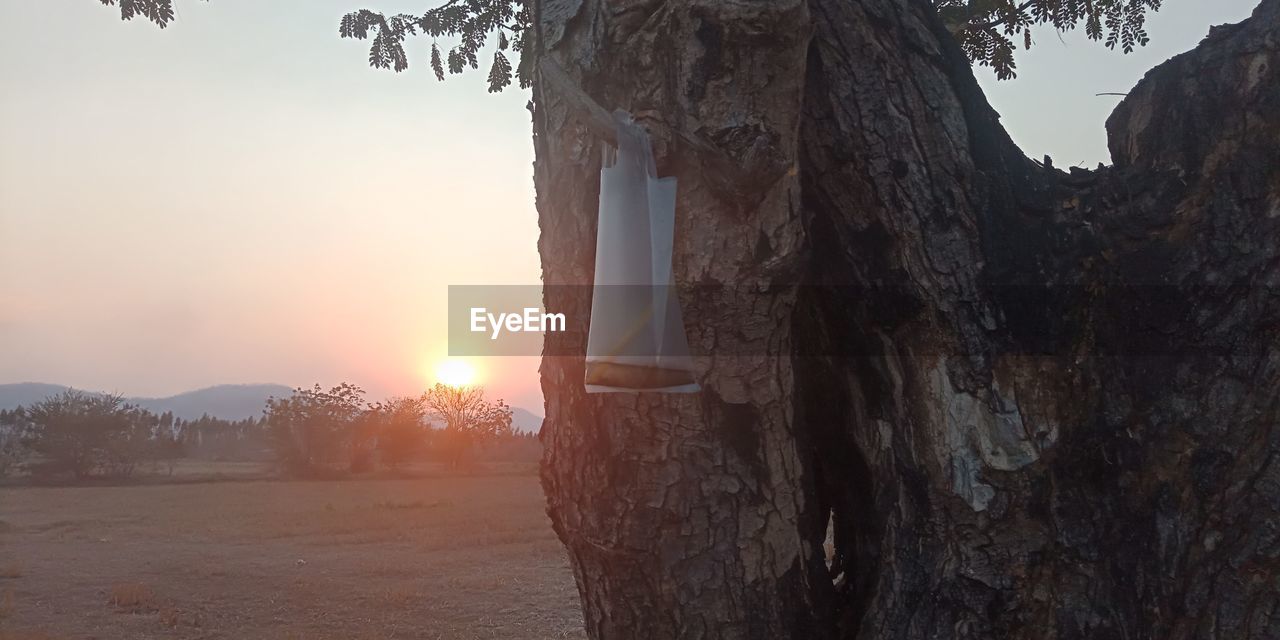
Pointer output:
x,y
456,373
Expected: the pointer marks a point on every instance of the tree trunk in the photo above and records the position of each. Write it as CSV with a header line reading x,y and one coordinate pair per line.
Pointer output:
x,y
1031,404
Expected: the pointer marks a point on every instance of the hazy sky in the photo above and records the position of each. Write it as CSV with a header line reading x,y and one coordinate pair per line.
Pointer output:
x,y
239,198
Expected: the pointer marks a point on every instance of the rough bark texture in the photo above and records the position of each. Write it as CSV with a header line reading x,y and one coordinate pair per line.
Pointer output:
x,y
1049,411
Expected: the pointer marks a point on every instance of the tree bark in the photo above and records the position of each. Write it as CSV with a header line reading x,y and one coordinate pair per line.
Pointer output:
x,y
1030,403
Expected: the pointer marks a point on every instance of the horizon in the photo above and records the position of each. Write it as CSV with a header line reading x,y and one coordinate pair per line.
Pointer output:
x,y
224,385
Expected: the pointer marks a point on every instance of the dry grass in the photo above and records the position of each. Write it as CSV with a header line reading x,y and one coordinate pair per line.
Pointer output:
x,y
400,597
416,504
24,635
133,597
10,570
173,618
7,608
439,557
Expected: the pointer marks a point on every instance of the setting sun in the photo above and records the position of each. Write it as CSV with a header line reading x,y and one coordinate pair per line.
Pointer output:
x,y
456,373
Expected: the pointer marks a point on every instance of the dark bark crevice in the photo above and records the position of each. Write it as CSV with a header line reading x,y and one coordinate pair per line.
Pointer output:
x,y
1047,320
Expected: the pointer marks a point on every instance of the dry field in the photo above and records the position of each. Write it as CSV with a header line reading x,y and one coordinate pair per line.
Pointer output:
x,y
437,557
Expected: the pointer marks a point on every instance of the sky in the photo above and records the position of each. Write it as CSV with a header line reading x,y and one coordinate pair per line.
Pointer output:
x,y
239,198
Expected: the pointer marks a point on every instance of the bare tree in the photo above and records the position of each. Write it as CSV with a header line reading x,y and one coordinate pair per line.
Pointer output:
x,y
468,419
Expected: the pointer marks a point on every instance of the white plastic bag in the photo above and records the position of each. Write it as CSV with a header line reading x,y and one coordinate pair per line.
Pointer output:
x,y
636,341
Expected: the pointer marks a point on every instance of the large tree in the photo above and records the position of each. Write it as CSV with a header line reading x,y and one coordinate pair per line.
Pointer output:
x,y
1035,404
1030,403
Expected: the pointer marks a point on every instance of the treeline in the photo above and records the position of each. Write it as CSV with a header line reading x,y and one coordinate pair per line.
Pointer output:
x,y
317,431
83,435
312,432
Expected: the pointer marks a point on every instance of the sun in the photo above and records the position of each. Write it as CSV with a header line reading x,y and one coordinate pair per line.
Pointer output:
x,y
455,373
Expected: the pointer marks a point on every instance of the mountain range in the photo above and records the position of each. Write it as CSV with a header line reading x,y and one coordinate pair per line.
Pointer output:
x,y
226,401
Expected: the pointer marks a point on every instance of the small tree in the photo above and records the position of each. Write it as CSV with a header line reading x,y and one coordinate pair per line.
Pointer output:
x,y
131,442
166,450
401,429
80,433
314,427
468,419
12,450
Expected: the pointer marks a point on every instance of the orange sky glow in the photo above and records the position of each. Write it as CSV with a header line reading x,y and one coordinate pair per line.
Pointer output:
x,y
238,198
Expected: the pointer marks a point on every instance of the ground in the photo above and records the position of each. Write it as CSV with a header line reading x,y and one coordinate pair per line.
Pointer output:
x,y
428,557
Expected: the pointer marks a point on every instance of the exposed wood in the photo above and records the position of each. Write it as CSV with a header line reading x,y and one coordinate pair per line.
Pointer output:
x,y
597,118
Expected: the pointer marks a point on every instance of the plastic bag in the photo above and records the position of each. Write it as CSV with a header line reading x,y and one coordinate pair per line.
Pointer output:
x,y
636,341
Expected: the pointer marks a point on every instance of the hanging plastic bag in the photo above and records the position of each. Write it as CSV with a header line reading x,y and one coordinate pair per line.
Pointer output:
x,y
636,341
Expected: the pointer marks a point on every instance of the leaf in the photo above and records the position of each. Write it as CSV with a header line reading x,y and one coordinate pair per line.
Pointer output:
x,y
435,62
499,73
157,11
456,60
357,24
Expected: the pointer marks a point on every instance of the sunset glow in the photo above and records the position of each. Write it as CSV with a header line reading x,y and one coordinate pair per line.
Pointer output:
x,y
456,373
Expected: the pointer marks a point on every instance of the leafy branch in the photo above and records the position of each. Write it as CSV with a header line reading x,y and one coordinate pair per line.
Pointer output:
x,y
986,29
157,11
473,22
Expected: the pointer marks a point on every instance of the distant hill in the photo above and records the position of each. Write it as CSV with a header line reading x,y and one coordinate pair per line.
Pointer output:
x,y
227,401
525,420
26,393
